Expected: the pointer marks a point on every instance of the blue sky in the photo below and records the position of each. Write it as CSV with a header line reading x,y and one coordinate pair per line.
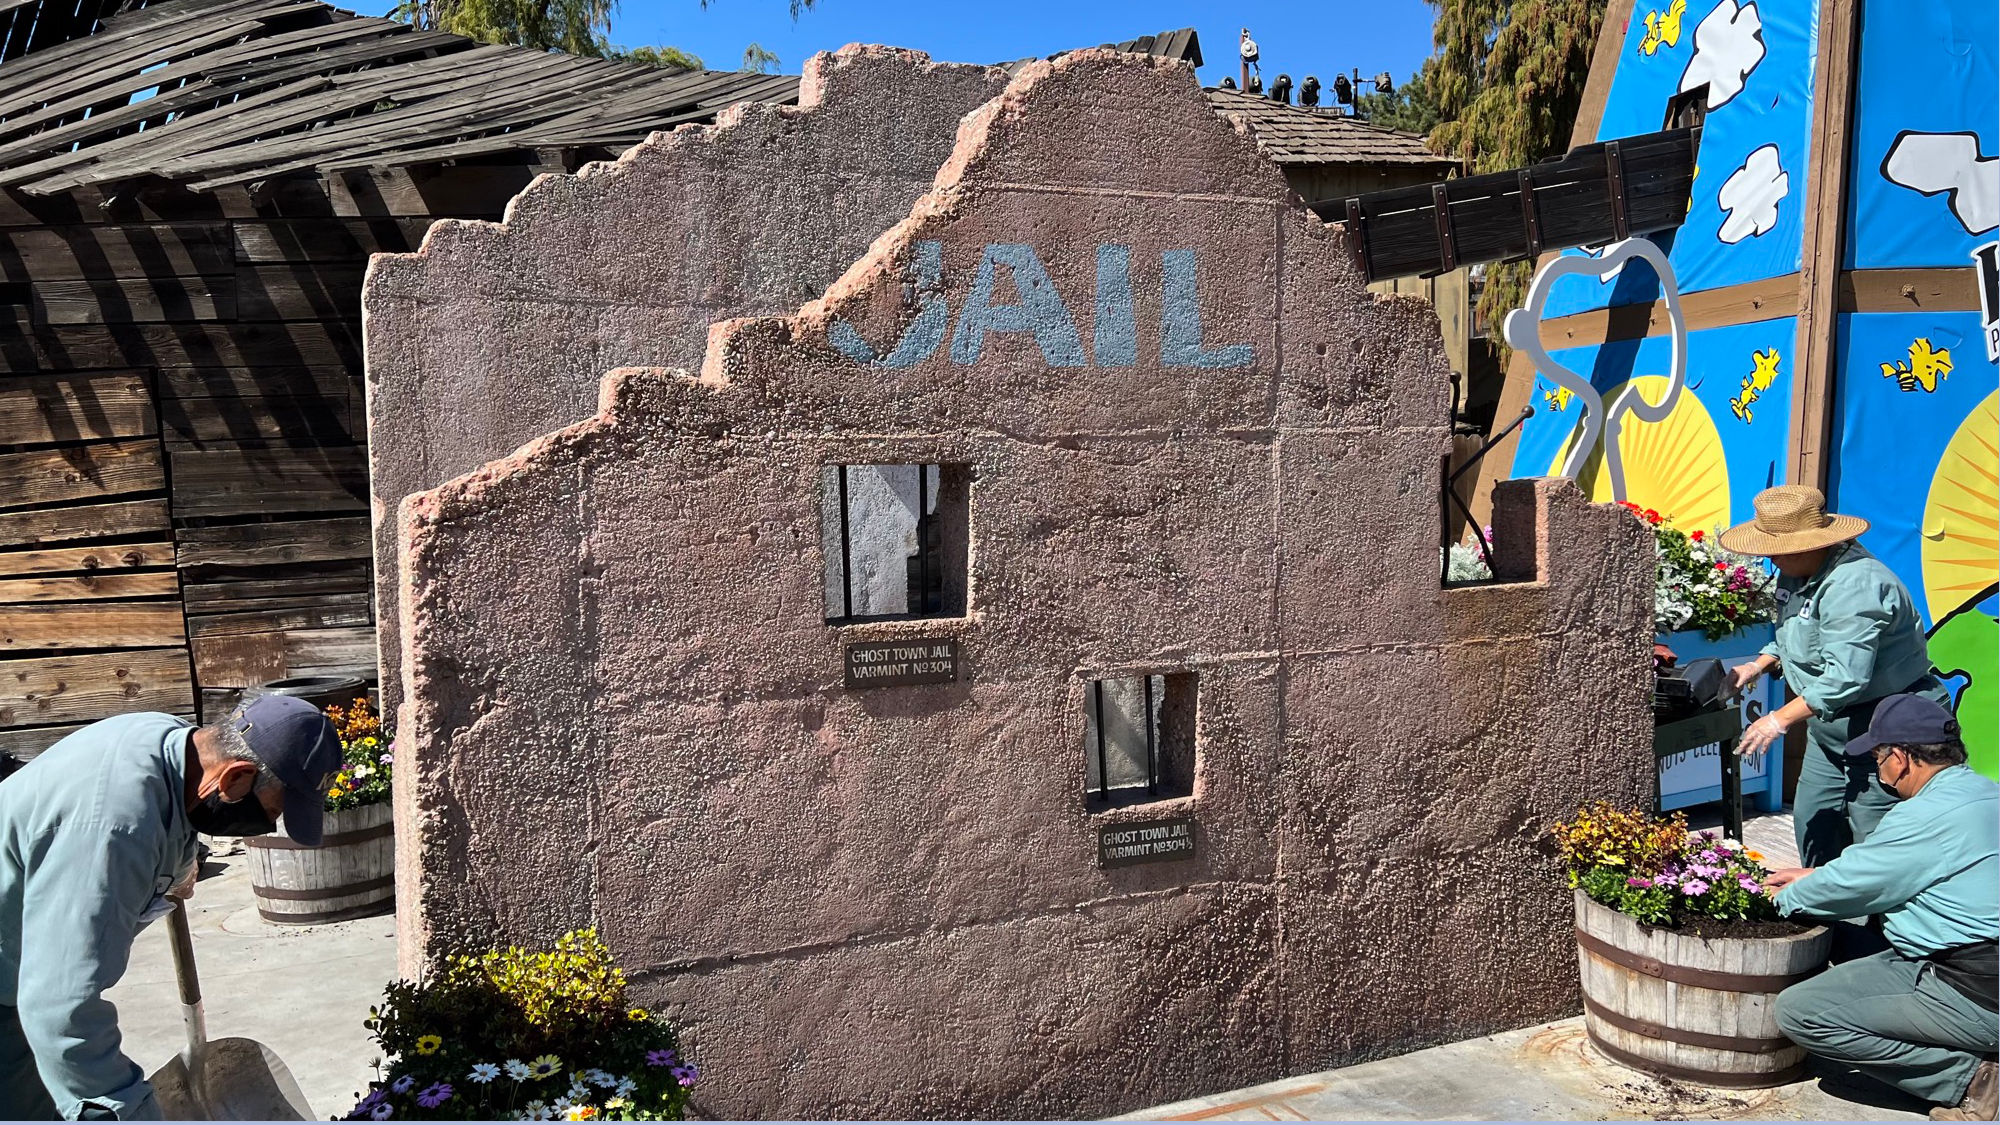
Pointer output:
x,y
1297,38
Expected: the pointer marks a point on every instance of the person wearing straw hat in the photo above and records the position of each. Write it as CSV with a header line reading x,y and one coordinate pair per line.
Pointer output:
x,y
1848,636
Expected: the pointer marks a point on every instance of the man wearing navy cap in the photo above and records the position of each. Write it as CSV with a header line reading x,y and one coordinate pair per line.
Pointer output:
x,y
1920,1015
94,834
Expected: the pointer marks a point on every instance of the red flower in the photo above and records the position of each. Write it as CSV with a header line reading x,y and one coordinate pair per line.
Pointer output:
x,y
1652,516
1627,504
1722,566
1695,535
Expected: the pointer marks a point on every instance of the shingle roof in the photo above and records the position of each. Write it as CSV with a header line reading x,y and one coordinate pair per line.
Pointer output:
x,y
1291,134
214,92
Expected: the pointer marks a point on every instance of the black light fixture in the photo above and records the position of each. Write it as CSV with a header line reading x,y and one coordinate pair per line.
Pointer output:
x,y
1281,89
1384,84
1343,90
1309,92
1229,84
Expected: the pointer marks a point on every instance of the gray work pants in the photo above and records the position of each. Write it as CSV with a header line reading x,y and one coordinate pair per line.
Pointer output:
x,y
1890,1018
22,1095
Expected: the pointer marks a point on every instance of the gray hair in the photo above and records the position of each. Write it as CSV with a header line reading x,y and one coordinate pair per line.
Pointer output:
x,y
1947,753
230,745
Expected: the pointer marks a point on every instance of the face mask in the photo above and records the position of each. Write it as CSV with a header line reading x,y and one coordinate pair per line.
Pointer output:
x,y
217,817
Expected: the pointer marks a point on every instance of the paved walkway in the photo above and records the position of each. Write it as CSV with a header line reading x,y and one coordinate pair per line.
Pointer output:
x,y
301,990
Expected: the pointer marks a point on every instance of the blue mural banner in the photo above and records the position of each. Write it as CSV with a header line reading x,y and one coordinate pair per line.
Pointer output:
x,y
1924,181
1723,443
1745,214
1916,447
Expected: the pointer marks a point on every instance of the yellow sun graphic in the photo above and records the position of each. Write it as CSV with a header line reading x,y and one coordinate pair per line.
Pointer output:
x,y
1960,552
1675,466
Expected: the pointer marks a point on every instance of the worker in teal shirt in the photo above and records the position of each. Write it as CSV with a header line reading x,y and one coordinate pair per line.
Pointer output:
x,y
1924,1014
1848,636
94,835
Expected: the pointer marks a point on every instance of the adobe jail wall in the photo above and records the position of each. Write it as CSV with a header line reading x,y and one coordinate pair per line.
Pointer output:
x,y
629,263
1177,438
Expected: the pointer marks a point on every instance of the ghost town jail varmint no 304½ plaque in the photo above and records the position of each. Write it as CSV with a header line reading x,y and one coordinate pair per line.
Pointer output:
x,y
917,660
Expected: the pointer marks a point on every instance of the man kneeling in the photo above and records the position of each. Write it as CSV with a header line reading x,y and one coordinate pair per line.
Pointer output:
x,y
1920,1015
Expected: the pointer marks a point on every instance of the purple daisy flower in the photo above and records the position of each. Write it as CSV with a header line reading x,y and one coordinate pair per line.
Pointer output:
x,y
685,1074
1635,881
402,1085
1749,884
373,1099
382,1112
1694,887
661,1057
435,1096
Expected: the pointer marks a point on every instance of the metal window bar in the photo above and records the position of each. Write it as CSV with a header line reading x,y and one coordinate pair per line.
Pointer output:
x,y
1451,486
921,601
846,553
925,593
1152,726
1152,742
1103,763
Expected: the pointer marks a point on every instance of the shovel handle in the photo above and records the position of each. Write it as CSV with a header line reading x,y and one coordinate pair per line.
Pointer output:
x,y
183,943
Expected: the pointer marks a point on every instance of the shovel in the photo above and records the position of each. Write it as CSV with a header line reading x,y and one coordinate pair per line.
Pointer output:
x,y
224,1079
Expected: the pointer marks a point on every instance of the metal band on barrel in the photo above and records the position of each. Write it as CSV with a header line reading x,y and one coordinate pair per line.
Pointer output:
x,y
1682,974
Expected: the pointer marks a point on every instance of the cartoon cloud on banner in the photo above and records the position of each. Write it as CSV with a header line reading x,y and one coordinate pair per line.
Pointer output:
x,y
1930,163
1728,45
1749,198
1523,332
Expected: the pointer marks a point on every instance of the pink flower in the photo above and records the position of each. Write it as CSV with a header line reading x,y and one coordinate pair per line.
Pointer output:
x,y
1635,881
1694,887
1748,884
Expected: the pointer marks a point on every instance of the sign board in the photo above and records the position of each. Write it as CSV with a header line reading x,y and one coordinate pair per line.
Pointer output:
x,y
916,660
1145,841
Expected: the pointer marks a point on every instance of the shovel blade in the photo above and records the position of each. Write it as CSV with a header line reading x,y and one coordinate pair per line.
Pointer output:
x,y
238,1080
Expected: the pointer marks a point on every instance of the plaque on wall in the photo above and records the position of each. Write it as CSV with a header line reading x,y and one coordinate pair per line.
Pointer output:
x,y
918,660
1145,841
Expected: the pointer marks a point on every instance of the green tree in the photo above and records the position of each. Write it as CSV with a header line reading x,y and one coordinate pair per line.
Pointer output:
x,y
1412,107
1508,76
576,27
758,60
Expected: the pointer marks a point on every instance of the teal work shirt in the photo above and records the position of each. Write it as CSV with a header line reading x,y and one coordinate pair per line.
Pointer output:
x,y
1930,869
92,832
1848,634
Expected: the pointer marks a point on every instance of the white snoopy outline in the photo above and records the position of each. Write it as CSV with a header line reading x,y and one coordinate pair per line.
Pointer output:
x,y
1522,330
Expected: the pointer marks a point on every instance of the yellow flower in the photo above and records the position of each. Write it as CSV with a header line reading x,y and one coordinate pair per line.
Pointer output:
x,y
583,1113
429,1044
638,1015
544,1067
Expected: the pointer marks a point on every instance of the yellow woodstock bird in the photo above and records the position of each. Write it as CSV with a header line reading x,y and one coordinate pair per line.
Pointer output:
x,y
1663,28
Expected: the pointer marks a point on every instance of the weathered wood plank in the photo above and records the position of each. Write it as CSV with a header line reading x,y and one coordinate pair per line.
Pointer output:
x,y
1910,290
136,300
24,745
342,383
1822,246
80,472
224,423
354,614
319,652
29,347
87,625
101,558
326,240
271,544
256,481
73,252
265,593
300,291
90,521
43,690
83,407
238,660
124,584
1764,299
462,191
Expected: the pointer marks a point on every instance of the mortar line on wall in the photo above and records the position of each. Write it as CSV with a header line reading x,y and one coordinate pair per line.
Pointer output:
x,y
1135,193
720,962
1281,737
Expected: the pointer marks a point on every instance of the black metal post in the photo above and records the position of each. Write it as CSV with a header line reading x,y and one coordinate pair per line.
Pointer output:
x,y
1732,791
1152,759
923,548
1103,768
846,553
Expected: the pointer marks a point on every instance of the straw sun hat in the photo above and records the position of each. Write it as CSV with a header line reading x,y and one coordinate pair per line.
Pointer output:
x,y
1791,519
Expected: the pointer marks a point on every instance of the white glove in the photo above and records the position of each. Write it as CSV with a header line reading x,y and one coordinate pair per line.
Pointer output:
x,y
1759,736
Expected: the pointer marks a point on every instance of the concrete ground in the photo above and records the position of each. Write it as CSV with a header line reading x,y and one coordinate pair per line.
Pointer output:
x,y
1544,1073
301,990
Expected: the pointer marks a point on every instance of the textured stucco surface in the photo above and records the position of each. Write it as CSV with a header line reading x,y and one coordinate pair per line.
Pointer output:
x,y
497,333
626,708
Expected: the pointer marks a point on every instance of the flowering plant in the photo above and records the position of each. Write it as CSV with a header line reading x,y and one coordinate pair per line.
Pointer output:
x,y
364,750
1651,868
1701,585
531,1036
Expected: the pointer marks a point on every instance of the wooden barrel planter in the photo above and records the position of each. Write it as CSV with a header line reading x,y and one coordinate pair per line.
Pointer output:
x,y
350,875
1700,1010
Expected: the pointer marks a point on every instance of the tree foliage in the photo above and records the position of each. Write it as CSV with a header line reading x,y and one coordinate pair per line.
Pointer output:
x,y
1411,107
576,27
1508,78
757,60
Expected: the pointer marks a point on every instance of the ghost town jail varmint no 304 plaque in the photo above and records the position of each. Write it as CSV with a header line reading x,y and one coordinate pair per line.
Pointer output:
x,y
918,660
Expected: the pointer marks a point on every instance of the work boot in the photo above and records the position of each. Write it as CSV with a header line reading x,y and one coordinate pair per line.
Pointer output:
x,y
1982,1097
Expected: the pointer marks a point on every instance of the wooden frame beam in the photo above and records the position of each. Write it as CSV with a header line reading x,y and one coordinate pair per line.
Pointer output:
x,y
1820,254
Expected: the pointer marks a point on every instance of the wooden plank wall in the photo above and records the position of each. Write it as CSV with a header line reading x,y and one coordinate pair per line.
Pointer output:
x,y
183,454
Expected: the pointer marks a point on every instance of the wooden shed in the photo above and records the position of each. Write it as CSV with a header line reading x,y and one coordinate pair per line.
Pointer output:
x,y
189,193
